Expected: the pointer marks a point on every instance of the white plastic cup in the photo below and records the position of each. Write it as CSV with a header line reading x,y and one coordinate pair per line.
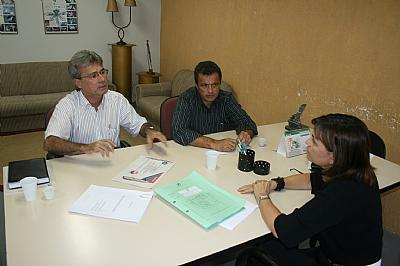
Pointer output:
x,y
48,192
212,157
29,187
261,142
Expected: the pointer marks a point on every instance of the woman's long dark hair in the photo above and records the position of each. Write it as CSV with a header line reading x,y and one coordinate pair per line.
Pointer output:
x,y
347,137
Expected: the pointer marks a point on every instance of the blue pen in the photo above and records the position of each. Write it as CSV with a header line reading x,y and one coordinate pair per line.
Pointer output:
x,y
244,146
239,144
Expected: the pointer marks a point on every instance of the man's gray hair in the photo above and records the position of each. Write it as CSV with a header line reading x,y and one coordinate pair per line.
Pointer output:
x,y
80,59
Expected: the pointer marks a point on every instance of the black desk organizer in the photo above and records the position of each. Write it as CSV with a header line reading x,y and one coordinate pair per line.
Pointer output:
x,y
246,163
261,167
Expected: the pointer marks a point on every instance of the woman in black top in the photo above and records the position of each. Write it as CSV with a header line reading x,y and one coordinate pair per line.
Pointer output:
x,y
345,214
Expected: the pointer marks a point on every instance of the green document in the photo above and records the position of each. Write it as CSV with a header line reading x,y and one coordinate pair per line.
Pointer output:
x,y
201,200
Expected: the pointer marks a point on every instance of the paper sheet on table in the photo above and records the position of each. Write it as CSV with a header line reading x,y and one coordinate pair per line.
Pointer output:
x,y
239,217
144,172
113,203
201,200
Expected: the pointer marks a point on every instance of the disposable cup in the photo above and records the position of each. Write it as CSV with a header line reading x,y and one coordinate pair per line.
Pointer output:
x,y
29,187
48,192
212,157
261,142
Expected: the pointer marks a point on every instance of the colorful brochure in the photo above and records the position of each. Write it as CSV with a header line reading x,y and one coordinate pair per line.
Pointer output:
x,y
144,172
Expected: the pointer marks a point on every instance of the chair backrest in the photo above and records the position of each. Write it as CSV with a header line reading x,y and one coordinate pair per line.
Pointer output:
x,y
167,110
48,116
377,145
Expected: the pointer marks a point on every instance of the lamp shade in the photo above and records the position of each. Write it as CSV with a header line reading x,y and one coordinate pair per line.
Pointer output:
x,y
112,6
130,3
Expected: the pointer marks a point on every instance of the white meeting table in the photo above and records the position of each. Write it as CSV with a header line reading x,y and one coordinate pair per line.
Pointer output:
x,y
43,232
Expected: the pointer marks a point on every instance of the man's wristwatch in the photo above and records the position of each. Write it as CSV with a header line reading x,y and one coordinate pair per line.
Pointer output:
x,y
150,127
262,197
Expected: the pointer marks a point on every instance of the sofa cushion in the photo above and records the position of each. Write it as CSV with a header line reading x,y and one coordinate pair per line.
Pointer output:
x,y
182,81
150,107
13,106
34,78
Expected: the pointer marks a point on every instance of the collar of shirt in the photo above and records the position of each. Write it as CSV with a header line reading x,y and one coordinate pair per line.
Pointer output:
x,y
85,103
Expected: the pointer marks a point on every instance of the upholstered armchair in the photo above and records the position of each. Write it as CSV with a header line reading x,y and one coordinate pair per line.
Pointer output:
x,y
149,97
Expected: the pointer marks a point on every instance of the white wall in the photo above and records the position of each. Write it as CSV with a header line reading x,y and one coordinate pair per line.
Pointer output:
x,y
96,31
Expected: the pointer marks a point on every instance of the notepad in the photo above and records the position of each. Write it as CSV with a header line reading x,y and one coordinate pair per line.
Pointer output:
x,y
17,170
201,200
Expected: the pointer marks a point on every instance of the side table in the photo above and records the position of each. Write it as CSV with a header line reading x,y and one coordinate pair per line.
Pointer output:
x,y
148,78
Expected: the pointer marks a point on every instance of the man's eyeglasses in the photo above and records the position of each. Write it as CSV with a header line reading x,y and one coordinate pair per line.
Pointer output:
x,y
206,86
94,75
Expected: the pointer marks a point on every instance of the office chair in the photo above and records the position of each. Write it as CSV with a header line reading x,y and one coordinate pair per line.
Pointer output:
x,y
167,110
254,254
377,145
49,155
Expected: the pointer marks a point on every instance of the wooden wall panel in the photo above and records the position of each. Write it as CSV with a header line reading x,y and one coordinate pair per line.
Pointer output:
x,y
335,56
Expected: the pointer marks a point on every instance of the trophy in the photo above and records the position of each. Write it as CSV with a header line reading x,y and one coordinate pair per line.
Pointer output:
x,y
294,122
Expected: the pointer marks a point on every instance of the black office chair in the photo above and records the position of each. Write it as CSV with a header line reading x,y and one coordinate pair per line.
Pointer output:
x,y
377,145
49,155
254,255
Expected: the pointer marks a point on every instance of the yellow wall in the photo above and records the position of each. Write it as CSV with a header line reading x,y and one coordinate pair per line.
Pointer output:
x,y
335,56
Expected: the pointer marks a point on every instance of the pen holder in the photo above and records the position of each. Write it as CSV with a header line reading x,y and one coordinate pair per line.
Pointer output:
x,y
246,161
261,167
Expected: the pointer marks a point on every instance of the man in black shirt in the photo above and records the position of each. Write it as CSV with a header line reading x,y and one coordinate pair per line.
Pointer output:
x,y
205,109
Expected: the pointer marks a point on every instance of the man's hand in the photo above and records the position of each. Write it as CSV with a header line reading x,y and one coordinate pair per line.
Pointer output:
x,y
152,134
224,144
246,136
105,147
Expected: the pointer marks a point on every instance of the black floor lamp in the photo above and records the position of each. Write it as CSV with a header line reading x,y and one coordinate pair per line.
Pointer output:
x,y
113,7
122,53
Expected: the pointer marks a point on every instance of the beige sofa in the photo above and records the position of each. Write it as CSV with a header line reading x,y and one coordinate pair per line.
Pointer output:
x,y
149,97
28,91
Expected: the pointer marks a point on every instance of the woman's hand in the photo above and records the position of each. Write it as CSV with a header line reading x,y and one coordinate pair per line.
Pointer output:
x,y
260,187
246,189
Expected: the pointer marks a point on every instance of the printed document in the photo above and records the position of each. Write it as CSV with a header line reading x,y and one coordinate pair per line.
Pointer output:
x,y
239,217
144,172
113,203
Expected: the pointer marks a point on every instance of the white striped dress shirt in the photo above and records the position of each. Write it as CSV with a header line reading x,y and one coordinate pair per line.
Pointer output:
x,y
76,120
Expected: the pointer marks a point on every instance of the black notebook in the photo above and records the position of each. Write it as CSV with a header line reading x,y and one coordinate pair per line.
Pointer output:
x,y
17,170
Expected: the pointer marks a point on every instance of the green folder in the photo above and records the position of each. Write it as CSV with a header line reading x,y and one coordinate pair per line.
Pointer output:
x,y
201,200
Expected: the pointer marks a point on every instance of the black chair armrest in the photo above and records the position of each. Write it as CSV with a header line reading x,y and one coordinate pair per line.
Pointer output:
x,y
254,254
124,144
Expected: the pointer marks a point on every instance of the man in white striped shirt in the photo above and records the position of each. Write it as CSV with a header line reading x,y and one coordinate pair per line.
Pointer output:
x,y
88,119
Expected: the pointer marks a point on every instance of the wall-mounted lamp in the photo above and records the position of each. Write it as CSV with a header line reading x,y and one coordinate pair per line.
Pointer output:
x,y
113,7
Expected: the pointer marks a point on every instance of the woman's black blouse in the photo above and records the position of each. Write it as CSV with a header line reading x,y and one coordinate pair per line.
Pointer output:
x,y
345,216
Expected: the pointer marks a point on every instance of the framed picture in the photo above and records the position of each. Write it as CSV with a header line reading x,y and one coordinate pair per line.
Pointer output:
x,y
60,16
8,17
